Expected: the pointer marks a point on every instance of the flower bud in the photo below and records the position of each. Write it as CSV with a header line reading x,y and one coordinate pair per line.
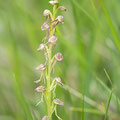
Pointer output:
x,y
41,47
45,118
59,81
53,39
46,12
40,89
59,57
58,102
45,26
40,67
60,19
62,8
53,2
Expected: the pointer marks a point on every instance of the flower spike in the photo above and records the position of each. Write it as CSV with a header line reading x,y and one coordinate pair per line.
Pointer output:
x,y
49,85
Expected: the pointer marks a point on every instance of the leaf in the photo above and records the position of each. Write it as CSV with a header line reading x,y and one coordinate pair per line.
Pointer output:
x,y
21,99
108,104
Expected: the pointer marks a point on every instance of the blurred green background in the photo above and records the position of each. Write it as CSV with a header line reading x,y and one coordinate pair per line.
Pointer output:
x,y
89,41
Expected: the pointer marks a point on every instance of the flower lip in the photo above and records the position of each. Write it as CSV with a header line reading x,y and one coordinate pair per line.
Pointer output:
x,y
59,57
41,47
60,19
62,8
59,81
46,12
53,39
40,89
40,67
53,2
45,26
58,102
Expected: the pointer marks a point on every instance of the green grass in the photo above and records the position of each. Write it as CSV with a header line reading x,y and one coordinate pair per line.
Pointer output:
x,y
108,104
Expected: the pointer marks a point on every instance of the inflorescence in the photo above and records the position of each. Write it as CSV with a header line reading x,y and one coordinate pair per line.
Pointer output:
x,y
47,84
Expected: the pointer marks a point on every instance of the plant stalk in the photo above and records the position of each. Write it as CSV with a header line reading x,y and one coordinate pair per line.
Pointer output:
x,y
48,86
49,104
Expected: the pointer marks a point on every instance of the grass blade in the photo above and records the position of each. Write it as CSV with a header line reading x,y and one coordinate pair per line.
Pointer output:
x,y
83,10
108,76
112,28
21,99
88,110
108,104
79,95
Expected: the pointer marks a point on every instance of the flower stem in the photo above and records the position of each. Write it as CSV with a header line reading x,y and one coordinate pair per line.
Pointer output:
x,y
49,104
48,85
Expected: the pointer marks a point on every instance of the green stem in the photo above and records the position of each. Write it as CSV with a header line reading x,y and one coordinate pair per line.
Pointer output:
x,y
49,104
48,85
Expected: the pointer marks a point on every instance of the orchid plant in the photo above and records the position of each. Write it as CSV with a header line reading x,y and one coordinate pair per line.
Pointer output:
x,y
47,84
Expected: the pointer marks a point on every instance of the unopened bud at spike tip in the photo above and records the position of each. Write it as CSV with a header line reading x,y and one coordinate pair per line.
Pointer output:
x,y
58,102
41,67
53,2
45,26
59,57
53,40
46,12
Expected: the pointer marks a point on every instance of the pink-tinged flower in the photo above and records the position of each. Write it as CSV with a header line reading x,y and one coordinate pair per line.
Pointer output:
x,y
62,8
46,12
60,19
59,57
45,26
41,47
40,89
53,2
53,39
40,67
58,102
59,81
45,118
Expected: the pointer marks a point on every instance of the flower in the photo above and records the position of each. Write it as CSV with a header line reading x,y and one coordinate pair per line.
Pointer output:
x,y
41,47
60,19
58,102
46,12
40,67
53,2
62,8
40,89
45,26
59,57
53,39
59,81
45,118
